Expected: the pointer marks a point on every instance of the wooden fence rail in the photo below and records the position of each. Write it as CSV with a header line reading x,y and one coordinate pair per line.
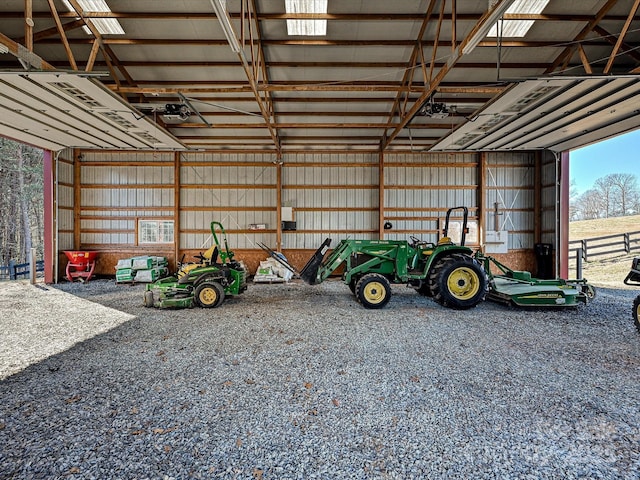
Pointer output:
x,y
609,245
14,270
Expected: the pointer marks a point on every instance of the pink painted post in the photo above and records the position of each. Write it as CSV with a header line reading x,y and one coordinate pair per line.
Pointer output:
x,y
563,248
49,234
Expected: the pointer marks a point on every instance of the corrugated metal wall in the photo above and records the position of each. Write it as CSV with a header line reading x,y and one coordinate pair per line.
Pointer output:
x,y
64,199
237,190
118,189
510,186
548,182
419,188
334,195
331,194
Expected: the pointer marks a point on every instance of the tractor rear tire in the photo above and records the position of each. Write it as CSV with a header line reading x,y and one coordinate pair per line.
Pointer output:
x,y
458,281
209,294
636,312
373,291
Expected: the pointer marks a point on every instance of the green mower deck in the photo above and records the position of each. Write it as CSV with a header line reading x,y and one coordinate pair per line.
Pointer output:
x,y
519,288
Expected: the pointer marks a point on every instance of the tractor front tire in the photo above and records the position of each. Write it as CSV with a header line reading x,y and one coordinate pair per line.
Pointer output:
x,y
373,291
209,294
458,282
636,312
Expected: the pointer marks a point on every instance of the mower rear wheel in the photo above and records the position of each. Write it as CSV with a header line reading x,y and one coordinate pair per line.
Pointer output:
x,y
373,291
458,281
209,294
148,298
636,312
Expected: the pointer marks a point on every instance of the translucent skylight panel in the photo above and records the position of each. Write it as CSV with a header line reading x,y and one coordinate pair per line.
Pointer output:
x,y
106,26
303,26
518,28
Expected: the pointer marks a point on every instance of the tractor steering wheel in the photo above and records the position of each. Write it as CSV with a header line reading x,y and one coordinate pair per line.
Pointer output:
x,y
414,241
200,257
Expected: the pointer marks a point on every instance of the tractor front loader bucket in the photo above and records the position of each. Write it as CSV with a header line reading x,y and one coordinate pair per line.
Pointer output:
x,y
310,271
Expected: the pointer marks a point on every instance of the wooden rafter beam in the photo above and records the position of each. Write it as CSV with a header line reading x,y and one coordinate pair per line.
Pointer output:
x,y
566,54
63,35
302,42
255,88
327,125
415,55
16,49
625,47
54,31
323,100
623,32
435,83
319,65
409,17
261,58
242,87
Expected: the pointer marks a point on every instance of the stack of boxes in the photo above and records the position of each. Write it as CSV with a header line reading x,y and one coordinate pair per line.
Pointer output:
x,y
146,268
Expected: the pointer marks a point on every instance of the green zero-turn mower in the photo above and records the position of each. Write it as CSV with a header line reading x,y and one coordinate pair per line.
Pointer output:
x,y
519,288
205,283
633,278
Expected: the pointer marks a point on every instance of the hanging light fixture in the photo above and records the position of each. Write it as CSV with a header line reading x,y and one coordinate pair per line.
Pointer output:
x,y
220,7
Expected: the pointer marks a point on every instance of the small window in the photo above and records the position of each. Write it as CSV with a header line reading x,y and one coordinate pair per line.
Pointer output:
x,y
155,231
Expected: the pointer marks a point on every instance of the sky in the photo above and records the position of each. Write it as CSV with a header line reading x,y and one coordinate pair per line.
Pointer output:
x,y
620,154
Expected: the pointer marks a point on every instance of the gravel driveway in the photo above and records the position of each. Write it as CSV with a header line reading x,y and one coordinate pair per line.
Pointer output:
x,y
298,382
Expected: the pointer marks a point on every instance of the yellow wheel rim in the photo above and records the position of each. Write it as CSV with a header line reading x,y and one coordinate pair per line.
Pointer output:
x,y
208,296
374,292
463,283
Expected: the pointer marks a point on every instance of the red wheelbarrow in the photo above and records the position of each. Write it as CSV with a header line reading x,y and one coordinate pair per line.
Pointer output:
x,y
80,265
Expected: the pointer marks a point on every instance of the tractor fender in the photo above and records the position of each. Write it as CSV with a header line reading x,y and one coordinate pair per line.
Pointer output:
x,y
446,252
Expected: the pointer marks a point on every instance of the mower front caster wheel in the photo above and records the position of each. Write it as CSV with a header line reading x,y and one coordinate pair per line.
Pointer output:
x,y
636,312
209,294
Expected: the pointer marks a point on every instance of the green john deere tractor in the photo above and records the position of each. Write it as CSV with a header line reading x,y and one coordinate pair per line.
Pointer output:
x,y
445,271
633,278
205,283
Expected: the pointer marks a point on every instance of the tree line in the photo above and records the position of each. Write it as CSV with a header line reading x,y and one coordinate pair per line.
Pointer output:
x,y
614,195
21,202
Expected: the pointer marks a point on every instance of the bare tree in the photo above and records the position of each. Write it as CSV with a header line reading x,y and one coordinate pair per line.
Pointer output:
x,y
604,186
589,205
21,201
626,191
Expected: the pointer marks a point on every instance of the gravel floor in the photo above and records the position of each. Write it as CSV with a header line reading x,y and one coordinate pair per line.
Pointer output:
x,y
299,382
